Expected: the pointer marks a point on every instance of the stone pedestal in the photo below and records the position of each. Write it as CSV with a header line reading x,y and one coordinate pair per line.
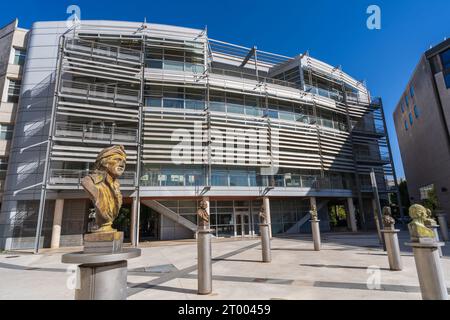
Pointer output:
x,y
442,220
103,242
429,270
265,243
315,226
435,229
204,251
102,276
393,249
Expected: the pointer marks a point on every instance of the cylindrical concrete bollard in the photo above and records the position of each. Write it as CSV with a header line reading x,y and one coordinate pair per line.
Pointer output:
x,y
442,220
101,276
265,243
429,270
315,226
103,282
436,237
393,249
204,262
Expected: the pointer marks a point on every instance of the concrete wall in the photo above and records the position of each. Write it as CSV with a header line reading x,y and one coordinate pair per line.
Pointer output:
x,y
424,146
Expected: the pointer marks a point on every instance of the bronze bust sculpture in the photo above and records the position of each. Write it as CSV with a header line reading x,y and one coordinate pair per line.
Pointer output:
x,y
388,220
203,214
103,186
429,221
313,213
417,227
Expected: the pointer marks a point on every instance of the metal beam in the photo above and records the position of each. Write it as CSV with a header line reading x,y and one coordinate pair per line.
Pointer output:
x,y
250,54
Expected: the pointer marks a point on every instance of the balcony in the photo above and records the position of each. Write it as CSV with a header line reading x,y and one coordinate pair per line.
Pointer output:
x,y
97,49
72,178
375,130
89,133
250,76
370,157
97,91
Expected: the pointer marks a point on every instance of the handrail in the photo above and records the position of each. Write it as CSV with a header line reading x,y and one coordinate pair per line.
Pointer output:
x,y
74,177
103,91
95,48
106,133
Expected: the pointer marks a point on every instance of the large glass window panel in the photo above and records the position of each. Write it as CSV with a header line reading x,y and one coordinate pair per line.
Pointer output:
x,y
235,108
174,65
238,179
154,64
153,102
195,104
174,103
219,178
218,106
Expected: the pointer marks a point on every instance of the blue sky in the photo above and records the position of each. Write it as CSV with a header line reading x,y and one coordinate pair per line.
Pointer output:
x,y
333,31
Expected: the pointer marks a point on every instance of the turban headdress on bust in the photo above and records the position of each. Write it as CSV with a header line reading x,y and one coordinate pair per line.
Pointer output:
x,y
108,152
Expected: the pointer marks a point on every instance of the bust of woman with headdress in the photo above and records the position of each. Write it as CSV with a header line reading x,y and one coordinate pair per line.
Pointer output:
x,y
103,186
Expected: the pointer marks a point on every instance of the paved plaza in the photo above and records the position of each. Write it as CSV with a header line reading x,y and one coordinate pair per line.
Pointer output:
x,y
167,270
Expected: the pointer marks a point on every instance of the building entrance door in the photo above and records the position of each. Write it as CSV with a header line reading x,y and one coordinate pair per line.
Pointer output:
x,y
242,222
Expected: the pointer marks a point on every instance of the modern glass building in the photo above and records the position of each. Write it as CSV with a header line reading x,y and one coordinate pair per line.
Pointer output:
x,y
198,118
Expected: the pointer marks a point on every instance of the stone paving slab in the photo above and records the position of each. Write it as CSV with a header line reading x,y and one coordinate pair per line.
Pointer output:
x,y
339,271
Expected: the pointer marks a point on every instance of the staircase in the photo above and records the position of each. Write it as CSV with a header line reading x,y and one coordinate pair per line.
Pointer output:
x,y
158,207
295,229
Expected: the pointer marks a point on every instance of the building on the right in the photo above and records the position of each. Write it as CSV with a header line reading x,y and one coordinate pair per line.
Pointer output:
x,y
422,122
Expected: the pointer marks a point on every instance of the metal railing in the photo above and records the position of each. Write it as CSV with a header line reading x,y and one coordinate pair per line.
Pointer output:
x,y
89,132
244,180
250,76
376,129
73,178
367,156
98,49
337,96
100,91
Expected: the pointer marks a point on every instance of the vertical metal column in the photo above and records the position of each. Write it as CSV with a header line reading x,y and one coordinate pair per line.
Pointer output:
x,y
137,200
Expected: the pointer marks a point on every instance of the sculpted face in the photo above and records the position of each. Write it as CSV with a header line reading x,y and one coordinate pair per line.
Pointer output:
x,y
204,205
115,165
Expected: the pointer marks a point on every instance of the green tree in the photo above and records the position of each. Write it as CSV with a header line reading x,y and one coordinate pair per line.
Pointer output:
x,y
432,202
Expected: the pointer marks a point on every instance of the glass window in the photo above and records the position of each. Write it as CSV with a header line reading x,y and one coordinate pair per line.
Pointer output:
x,y
447,80
217,106
445,58
155,64
273,114
410,118
19,57
195,104
173,65
403,108
406,125
174,103
235,108
153,102
411,91
239,179
6,132
416,112
407,101
14,90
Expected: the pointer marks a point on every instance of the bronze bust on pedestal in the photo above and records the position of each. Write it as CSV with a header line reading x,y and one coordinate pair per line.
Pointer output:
x,y
103,187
